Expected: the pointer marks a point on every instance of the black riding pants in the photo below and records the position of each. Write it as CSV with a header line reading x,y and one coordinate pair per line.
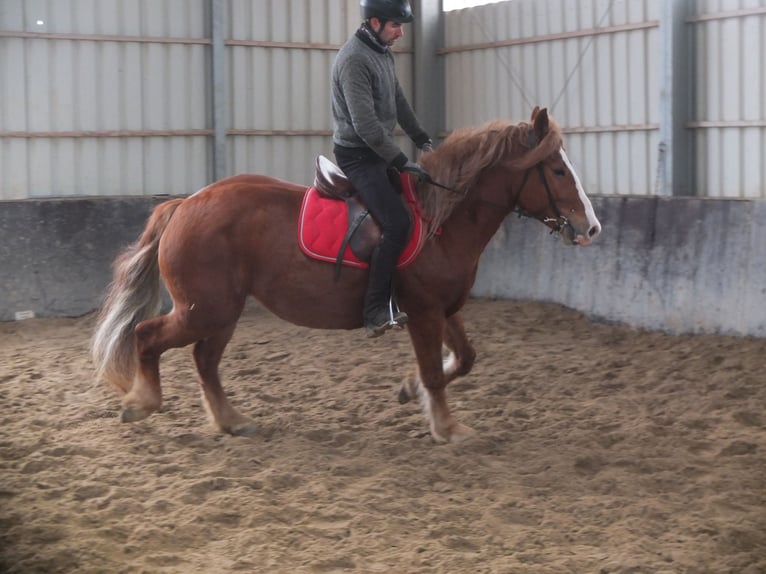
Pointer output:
x,y
369,176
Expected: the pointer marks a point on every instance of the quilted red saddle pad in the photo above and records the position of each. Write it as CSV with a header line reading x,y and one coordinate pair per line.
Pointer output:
x,y
323,223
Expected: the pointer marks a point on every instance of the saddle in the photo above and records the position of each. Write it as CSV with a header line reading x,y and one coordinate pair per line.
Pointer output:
x,y
335,226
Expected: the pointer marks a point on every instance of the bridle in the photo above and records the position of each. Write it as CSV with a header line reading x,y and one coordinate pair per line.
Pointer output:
x,y
559,221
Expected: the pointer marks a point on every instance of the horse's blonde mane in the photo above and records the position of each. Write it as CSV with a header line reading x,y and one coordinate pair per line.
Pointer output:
x,y
465,154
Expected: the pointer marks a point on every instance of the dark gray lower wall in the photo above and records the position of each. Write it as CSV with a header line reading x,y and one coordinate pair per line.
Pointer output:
x,y
56,255
681,265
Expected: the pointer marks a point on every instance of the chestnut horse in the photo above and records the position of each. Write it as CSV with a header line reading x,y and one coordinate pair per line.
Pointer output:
x,y
238,237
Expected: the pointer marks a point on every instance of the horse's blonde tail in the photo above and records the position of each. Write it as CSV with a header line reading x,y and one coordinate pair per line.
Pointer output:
x,y
133,296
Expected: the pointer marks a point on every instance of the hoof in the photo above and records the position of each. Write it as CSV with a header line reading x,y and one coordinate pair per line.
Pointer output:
x,y
133,414
404,395
247,428
461,432
455,433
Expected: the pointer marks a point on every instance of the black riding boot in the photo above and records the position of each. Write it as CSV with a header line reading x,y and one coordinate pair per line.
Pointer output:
x,y
379,312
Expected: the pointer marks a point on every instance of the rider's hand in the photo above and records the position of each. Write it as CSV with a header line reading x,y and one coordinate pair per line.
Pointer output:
x,y
427,147
416,170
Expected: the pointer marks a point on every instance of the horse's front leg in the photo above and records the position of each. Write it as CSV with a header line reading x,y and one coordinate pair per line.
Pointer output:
x,y
458,356
427,335
461,354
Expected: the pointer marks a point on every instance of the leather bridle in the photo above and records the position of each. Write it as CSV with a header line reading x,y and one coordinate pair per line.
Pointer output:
x,y
559,221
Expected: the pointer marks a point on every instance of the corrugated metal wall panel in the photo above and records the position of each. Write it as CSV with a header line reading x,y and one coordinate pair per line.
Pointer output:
x,y
85,77
280,95
13,152
730,112
164,18
281,92
603,88
585,80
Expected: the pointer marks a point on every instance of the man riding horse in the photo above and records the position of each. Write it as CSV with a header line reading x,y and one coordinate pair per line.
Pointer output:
x,y
367,104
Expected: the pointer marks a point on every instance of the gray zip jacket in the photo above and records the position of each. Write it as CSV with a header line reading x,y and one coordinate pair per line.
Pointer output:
x,y
368,102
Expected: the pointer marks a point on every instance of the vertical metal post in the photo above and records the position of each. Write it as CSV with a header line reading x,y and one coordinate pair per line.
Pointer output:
x,y
675,169
218,92
429,81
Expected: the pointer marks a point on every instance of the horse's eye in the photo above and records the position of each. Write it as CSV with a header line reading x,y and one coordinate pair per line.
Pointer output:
x,y
559,172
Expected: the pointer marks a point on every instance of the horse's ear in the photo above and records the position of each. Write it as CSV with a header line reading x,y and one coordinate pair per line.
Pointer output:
x,y
541,123
534,113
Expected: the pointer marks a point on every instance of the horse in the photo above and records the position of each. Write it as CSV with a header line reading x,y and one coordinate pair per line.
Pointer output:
x,y
237,238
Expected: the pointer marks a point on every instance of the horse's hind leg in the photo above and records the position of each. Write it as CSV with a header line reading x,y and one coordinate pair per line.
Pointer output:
x,y
458,358
207,356
153,337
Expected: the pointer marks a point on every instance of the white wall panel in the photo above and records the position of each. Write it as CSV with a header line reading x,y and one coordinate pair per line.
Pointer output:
x,y
593,84
278,78
730,111
127,81
79,77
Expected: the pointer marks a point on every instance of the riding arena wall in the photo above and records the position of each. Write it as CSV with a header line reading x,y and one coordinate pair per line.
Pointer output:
x,y
103,113
680,265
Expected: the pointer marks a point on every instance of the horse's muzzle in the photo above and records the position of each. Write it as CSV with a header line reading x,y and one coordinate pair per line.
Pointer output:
x,y
573,236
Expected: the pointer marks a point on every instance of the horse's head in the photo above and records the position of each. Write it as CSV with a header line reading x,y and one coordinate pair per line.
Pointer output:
x,y
551,190
524,162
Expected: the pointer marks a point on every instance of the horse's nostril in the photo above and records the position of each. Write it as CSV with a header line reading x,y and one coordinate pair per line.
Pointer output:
x,y
594,231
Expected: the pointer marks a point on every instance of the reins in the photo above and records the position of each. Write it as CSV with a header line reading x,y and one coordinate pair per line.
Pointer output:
x,y
429,180
559,220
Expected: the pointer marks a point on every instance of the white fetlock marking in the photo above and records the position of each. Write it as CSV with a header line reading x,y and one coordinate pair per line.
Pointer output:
x,y
209,411
425,403
449,364
423,397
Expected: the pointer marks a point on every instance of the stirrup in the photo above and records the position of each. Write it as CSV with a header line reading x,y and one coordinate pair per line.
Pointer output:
x,y
395,319
398,319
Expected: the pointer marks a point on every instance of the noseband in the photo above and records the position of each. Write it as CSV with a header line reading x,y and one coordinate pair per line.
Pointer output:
x,y
559,221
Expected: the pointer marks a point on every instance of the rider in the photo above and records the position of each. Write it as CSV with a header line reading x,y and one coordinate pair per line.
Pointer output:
x,y
367,103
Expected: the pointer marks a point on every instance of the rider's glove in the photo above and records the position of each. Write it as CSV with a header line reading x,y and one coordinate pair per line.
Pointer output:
x,y
427,147
416,170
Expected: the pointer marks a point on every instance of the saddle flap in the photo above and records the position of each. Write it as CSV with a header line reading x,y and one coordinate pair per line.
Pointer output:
x,y
330,181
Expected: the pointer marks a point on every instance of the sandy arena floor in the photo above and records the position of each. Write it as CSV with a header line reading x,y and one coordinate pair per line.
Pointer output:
x,y
600,449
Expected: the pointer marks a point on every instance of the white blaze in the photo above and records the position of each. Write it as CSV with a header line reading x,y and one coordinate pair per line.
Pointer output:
x,y
589,213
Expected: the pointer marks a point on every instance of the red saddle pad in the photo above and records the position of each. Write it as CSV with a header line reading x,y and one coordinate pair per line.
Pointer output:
x,y
323,223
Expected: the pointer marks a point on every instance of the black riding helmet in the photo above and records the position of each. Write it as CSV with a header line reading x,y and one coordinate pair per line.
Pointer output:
x,y
395,10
